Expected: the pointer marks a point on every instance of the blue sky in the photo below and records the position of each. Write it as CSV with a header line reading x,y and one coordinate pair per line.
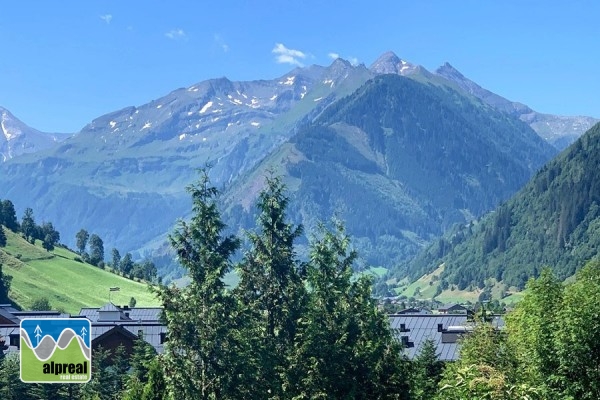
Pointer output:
x,y
64,63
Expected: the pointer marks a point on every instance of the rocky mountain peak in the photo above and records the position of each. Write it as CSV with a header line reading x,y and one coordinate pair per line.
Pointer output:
x,y
450,72
390,63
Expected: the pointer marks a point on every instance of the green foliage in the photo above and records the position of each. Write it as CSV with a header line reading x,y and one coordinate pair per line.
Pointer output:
x,y
345,350
82,238
143,354
155,388
11,386
483,382
578,339
427,372
271,288
28,227
554,220
8,216
116,260
531,328
96,249
198,317
41,304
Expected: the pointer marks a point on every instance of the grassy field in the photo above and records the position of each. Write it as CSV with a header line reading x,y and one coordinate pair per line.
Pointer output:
x,y
68,284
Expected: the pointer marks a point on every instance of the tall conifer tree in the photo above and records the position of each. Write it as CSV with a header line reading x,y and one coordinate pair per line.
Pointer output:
x,y
198,352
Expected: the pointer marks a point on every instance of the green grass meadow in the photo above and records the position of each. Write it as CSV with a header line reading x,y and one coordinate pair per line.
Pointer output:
x,y
68,284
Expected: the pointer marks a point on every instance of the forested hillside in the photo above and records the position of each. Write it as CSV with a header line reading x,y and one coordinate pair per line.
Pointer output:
x,y
400,161
553,221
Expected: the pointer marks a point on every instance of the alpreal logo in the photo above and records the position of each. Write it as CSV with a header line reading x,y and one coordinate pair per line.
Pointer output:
x,y
56,350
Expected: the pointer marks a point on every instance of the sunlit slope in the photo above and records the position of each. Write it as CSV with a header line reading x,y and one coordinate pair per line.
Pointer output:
x,y
68,284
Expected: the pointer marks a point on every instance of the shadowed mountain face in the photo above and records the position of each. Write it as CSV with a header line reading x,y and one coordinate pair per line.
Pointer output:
x,y
399,161
553,221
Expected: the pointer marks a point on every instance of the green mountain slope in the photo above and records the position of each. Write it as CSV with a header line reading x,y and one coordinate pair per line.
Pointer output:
x,y
399,161
68,284
553,221
131,166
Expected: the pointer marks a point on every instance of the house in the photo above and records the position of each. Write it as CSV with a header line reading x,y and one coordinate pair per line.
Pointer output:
x,y
453,308
113,326
413,310
444,329
10,324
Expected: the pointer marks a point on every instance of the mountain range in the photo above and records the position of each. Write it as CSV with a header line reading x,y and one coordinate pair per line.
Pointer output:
x,y
421,150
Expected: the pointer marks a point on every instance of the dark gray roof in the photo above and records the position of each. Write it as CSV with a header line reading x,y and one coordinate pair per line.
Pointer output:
x,y
134,314
151,332
420,327
109,307
5,314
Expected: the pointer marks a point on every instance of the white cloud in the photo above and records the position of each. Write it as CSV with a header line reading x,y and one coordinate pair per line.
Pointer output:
x,y
353,61
334,56
175,34
219,41
106,18
283,55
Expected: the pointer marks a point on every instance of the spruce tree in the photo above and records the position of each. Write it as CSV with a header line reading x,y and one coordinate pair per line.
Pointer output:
x,y
427,371
198,353
28,227
271,290
116,260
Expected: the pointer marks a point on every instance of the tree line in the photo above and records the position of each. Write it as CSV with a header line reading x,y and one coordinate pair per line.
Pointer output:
x,y
297,329
124,266
28,228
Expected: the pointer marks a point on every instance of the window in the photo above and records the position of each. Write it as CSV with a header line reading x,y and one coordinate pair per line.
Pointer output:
x,y
15,340
163,337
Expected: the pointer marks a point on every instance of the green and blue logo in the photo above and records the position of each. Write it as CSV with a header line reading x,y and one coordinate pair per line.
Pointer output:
x,y
56,350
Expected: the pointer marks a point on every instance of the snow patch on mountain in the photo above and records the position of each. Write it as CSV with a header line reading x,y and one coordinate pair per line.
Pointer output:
x,y
206,107
289,81
10,132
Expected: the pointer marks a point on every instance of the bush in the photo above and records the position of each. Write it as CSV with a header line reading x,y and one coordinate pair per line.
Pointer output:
x,y
78,259
41,304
